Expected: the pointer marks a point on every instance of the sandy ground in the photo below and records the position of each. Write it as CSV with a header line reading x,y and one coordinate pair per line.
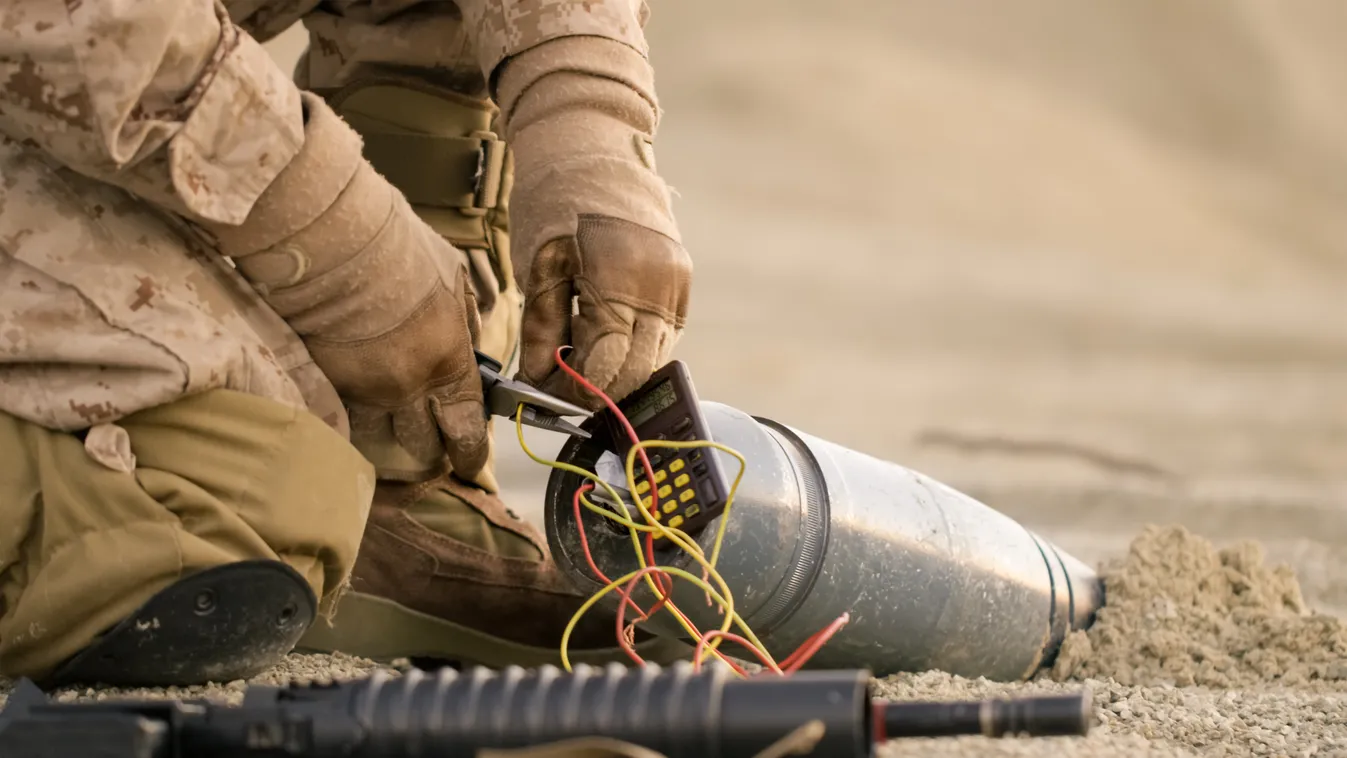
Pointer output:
x,y
1083,260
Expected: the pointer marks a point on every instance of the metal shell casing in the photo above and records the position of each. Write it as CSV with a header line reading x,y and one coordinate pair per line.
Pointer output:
x,y
931,578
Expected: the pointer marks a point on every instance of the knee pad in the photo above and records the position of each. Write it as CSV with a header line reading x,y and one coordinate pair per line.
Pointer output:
x,y
224,623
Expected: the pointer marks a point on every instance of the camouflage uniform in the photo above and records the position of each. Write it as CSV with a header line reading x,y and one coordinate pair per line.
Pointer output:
x,y
120,322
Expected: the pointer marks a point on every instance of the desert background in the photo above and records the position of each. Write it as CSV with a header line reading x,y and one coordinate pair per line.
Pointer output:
x,y
1085,261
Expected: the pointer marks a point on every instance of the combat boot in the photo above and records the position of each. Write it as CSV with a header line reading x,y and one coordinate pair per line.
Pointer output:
x,y
447,573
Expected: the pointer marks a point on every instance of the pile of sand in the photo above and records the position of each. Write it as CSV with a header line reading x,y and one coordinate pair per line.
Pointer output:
x,y
1181,612
1197,651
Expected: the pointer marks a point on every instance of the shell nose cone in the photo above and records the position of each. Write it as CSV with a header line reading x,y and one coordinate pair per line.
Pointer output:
x,y
1087,590
1079,590
1076,592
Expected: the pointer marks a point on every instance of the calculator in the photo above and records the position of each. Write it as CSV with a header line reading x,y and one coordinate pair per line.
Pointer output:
x,y
689,489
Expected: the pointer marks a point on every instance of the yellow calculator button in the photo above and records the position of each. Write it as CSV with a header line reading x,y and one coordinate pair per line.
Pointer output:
x,y
657,515
643,488
677,465
670,507
686,495
675,522
692,510
665,491
661,475
648,501
681,480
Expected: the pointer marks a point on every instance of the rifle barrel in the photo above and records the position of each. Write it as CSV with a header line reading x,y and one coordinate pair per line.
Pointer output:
x,y
677,712
1040,716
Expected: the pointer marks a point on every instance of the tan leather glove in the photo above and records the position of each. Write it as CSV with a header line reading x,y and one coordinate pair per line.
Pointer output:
x,y
381,301
592,218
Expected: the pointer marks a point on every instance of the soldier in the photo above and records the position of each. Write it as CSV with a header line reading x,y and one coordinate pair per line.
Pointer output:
x,y
237,317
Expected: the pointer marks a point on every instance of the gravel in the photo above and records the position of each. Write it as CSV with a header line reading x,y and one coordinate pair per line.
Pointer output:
x,y
295,668
1199,650
1159,720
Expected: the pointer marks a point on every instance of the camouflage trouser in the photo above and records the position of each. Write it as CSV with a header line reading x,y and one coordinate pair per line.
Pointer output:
x,y
106,300
108,305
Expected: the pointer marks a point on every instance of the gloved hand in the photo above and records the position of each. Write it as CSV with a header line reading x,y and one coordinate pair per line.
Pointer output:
x,y
591,217
381,301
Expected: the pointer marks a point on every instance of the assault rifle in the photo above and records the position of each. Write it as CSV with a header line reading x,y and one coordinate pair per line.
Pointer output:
x,y
614,711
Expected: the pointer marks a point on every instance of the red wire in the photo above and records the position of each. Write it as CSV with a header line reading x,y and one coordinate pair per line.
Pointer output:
x,y
812,645
793,662
589,557
622,641
793,657
626,593
732,637
663,581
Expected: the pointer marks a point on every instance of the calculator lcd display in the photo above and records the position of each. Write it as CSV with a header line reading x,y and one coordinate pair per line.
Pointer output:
x,y
661,398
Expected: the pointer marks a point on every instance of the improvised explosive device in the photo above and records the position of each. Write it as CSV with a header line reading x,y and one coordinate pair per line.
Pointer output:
x,y
923,577
676,712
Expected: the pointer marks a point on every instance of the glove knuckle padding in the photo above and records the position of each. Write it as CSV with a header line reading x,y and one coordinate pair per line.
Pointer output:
x,y
429,348
629,264
633,284
645,355
468,442
373,292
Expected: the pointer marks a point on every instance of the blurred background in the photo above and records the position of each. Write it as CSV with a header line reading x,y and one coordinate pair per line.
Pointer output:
x,y
1085,261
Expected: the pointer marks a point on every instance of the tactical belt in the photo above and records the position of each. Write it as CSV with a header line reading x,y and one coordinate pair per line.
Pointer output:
x,y
464,173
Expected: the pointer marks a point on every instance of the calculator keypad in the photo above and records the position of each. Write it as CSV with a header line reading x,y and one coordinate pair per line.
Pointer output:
x,y
686,486
678,473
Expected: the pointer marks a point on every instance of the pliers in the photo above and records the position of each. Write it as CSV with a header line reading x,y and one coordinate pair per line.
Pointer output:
x,y
503,396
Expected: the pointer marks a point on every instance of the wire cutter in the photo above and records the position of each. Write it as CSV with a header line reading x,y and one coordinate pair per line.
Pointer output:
x,y
503,396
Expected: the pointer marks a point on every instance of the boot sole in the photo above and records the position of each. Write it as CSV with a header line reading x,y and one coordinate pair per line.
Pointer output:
x,y
382,630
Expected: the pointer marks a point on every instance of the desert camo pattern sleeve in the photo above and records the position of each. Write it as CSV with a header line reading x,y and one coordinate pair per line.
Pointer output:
x,y
144,95
501,28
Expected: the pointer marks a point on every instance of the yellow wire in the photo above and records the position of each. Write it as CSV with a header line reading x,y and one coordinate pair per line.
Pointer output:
x,y
680,539
729,498
678,572
676,536
730,615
